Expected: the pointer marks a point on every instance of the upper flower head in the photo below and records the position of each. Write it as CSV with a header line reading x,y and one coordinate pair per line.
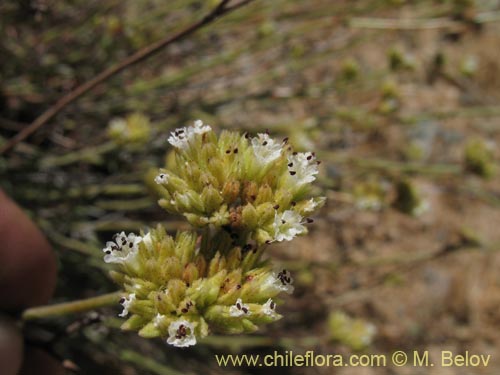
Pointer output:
x,y
181,137
181,334
123,249
303,167
287,225
265,148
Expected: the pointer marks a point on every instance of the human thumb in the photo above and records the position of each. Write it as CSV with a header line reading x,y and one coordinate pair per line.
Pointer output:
x,y
11,347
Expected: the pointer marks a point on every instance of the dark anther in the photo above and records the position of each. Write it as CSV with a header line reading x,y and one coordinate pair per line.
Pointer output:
x,y
228,151
238,286
235,150
309,157
318,162
295,153
293,204
309,220
184,310
276,207
264,143
285,140
246,135
293,173
290,164
245,310
122,300
283,221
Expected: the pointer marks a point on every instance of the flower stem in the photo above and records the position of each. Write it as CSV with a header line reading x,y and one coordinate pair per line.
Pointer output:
x,y
71,307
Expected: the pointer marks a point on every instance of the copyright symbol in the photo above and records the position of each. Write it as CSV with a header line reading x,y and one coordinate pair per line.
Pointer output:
x,y
399,358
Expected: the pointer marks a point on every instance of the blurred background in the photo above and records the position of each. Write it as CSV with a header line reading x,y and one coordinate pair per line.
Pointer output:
x,y
399,99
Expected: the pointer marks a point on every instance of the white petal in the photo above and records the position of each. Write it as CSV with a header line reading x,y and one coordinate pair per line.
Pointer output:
x,y
265,149
181,339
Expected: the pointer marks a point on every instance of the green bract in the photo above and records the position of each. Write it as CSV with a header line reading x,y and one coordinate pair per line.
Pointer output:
x,y
244,193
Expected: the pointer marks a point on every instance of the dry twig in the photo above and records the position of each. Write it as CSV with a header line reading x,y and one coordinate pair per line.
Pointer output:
x,y
221,9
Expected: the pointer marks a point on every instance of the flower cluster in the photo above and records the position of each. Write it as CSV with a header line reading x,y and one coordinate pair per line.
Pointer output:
x,y
256,186
244,193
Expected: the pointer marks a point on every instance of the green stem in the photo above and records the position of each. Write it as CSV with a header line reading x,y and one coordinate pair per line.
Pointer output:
x,y
90,155
71,307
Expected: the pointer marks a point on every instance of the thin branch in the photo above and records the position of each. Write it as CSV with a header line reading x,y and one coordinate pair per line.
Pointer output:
x,y
142,54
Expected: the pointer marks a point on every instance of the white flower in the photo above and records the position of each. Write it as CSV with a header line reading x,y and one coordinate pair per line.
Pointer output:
x,y
117,125
265,148
122,249
302,167
199,128
181,334
161,179
279,282
285,279
287,225
269,308
239,309
180,137
312,204
126,302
